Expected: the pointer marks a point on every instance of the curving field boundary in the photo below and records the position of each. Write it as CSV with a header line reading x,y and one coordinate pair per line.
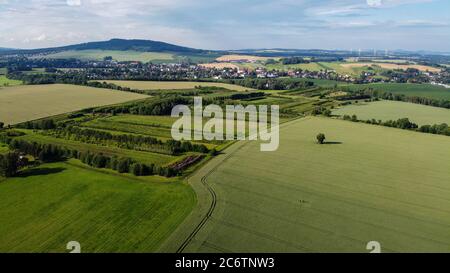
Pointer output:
x,y
206,201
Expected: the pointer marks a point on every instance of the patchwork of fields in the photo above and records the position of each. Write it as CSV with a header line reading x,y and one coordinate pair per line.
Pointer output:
x,y
394,110
49,206
369,183
23,103
163,85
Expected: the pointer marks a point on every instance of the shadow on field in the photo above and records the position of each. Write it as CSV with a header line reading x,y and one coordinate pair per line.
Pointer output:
x,y
40,171
332,143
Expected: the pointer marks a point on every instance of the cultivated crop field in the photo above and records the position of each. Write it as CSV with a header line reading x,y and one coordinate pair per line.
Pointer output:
x,y
22,103
369,183
393,110
45,208
120,56
161,85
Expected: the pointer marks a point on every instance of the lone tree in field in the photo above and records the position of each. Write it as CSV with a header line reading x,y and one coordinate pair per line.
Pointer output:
x,y
321,138
1,125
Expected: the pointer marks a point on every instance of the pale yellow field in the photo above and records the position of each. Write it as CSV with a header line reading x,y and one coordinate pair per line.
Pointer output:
x,y
245,58
220,65
423,68
337,94
159,85
30,102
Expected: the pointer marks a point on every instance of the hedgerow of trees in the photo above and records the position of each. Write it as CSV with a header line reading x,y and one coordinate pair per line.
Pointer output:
x,y
127,141
10,163
405,123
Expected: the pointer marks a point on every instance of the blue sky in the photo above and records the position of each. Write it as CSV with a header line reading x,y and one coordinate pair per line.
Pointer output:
x,y
231,24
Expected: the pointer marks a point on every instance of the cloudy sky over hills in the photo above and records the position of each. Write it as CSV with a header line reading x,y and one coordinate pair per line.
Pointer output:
x,y
231,24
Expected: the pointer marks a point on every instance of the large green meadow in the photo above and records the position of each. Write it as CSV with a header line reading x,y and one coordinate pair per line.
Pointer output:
x,y
46,207
368,183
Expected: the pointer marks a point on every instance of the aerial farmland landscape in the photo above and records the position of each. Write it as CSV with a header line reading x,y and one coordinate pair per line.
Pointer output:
x,y
154,133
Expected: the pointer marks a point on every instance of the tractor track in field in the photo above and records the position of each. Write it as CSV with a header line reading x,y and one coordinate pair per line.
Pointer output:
x,y
213,204
211,209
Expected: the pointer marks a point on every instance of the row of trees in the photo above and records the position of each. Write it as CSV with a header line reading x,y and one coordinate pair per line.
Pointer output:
x,y
153,107
10,163
417,100
244,96
128,141
112,86
45,124
294,60
125,165
43,152
405,123
377,94
321,111
272,84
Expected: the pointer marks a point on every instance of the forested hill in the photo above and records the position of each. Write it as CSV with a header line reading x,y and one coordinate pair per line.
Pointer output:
x,y
115,44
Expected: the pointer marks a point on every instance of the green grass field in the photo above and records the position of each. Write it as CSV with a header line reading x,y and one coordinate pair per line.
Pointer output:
x,y
393,110
3,148
159,85
371,183
408,89
4,82
29,102
120,56
45,208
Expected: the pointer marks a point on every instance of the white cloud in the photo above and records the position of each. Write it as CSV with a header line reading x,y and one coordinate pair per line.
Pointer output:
x,y
374,3
74,2
326,8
